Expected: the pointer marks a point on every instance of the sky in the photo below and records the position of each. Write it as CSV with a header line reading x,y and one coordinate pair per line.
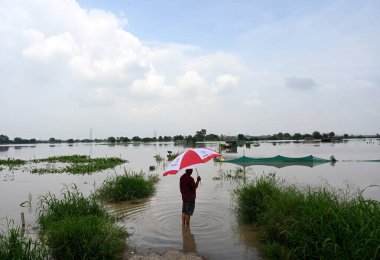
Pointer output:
x,y
149,68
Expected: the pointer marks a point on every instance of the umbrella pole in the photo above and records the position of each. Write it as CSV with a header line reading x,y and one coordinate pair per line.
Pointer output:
x,y
198,175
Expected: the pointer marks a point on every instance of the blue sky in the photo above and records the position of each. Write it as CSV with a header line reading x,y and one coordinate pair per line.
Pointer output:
x,y
126,68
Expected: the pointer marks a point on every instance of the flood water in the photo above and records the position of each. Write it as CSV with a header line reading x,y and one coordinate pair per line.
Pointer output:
x,y
155,223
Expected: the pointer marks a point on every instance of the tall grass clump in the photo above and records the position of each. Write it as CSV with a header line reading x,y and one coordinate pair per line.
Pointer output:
x,y
131,185
78,227
14,245
312,223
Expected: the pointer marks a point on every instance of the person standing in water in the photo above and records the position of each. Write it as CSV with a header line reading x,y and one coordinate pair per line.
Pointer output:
x,y
188,189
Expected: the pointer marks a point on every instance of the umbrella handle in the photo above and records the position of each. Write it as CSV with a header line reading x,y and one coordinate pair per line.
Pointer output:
x,y
198,175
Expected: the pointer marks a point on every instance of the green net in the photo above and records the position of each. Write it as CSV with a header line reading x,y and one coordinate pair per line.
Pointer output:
x,y
278,161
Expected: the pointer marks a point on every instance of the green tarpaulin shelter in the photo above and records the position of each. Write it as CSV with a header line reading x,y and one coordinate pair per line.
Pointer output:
x,y
278,161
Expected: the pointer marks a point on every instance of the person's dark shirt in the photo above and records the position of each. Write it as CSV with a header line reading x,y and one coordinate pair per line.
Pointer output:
x,y
188,187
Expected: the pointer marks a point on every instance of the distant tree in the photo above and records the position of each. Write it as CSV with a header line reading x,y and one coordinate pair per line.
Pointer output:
x,y
287,136
51,140
307,136
212,137
4,139
167,138
70,141
317,135
18,140
33,141
200,135
111,139
345,135
125,140
136,139
178,138
241,137
190,141
297,136
147,139
331,134
324,135
160,139
280,136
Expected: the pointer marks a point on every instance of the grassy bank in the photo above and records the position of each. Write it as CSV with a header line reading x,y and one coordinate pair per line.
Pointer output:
x,y
310,224
78,227
14,245
130,185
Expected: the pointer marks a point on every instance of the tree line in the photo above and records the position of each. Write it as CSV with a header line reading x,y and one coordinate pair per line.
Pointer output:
x,y
199,136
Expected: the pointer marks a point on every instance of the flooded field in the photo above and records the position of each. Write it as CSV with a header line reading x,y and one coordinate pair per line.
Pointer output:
x,y
155,223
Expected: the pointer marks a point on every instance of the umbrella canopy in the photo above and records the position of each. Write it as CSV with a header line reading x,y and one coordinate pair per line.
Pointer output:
x,y
190,158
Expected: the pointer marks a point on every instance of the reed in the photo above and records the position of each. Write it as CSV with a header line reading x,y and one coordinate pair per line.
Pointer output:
x,y
131,185
78,227
15,245
312,223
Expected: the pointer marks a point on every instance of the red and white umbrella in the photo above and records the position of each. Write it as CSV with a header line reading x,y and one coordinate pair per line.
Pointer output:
x,y
190,158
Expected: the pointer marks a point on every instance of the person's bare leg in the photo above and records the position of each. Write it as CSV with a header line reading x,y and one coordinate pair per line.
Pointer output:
x,y
183,218
187,220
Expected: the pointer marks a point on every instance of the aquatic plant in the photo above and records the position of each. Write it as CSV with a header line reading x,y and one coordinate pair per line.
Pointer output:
x,y
15,245
237,175
79,227
172,156
11,163
131,185
310,224
78,164
158,158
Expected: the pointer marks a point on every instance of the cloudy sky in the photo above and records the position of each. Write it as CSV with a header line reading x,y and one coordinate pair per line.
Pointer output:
x,y
132,67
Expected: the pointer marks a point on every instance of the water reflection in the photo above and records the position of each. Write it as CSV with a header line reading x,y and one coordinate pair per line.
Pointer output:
x,y
4,148
189,245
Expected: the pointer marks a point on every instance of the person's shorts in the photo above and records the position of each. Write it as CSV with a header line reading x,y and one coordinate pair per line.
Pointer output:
x,y
188,207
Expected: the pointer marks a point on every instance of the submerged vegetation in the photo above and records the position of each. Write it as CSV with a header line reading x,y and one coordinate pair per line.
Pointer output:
x,y
310,224
78,227
11,163
74,164
131,185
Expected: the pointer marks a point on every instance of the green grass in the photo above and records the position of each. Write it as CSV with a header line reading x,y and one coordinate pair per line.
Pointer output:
x,y
79,227
129,186
309,224
15,245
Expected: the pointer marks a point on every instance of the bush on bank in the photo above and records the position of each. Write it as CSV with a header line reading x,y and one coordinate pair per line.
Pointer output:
x,y
310,225
78,227
130,185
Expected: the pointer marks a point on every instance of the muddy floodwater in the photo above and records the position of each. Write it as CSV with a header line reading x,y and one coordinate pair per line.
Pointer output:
x,y
155,223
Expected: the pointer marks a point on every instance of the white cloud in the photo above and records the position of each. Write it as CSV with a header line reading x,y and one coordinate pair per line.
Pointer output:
x,y
225,82
253,100
153,85
45,48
